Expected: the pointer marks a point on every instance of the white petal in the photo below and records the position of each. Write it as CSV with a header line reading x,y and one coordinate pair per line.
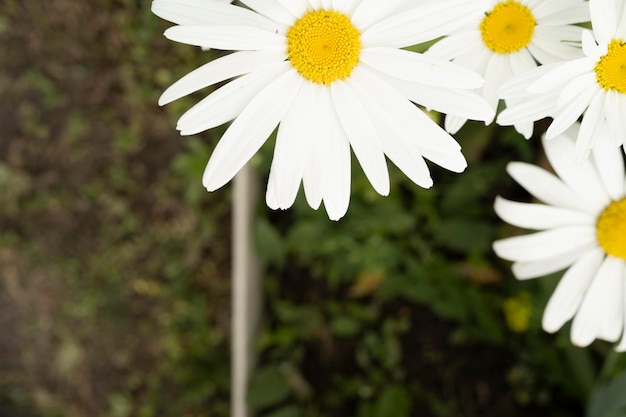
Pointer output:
x,y
291,150
272,10
465,103
453,123
587,135
346,6
498,69
569,293
295,7
571,13
622,345
362,136
431,141
545,244
423,23
198,12
590,48
535,269
219,70
582,178
369,12
527,110
609,165
570,112
250,130
420,68
337,175
614,107
313,179
517,85
603,19
599,305
546,187
539,216
225,103
228,38
561,73
385,107
455,45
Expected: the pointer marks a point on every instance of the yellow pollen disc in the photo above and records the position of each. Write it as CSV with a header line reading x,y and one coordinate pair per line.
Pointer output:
x,y
508,27
324,46
611,69
611,229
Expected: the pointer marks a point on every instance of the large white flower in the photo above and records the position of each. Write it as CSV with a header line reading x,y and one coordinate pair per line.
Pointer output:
x,y
582,227
333,74
594,84
510,37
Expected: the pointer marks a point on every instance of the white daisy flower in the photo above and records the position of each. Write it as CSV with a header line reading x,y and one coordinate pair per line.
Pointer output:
x,y
509,37
582,228
332,73
594,84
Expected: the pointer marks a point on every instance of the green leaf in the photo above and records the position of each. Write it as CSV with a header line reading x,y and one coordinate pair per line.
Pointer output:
x,y
609,400
267,387
464,236
394,401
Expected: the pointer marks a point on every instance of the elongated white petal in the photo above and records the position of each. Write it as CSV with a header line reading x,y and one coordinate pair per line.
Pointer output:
x,y
292,148
609,165
397,142
539,216
231,37
316,165
572,13
561,73
218,70
599,304
272,10
545,244
420,68
527,110
569,293
570,112
250,130
369,12
622,345
336,192
614,107
225,103
423,23
517,86
581,177
430,140
574,89
547,187
466,103
535,269
455,45
603,19
202,12
362,136
593,119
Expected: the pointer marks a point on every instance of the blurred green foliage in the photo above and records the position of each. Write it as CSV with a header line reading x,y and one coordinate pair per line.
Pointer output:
x,y
114,260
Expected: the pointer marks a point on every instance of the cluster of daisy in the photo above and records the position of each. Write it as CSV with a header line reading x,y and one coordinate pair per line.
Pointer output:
x,y
331,76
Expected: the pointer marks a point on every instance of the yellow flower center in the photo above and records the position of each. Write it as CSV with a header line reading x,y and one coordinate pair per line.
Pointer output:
x,y
324,46
611,229
508,27
611,69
